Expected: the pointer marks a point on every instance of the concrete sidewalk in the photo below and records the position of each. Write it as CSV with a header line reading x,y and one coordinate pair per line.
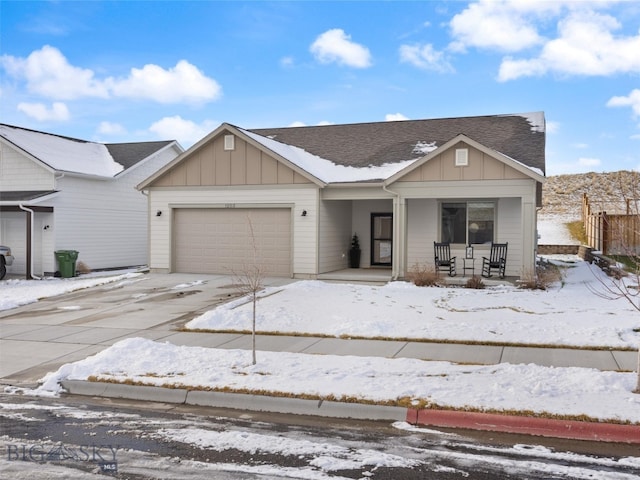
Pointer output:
x,y
38,338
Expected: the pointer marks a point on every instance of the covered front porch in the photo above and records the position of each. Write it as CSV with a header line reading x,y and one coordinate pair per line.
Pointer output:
x,y
380,276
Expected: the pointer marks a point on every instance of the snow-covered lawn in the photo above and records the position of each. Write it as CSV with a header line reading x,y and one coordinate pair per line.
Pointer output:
x,y
566,314
503,387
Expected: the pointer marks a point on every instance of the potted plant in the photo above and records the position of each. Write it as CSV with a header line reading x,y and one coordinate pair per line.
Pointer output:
x,y
354,252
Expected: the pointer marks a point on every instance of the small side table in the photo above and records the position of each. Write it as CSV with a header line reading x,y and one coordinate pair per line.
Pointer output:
x,y
472,266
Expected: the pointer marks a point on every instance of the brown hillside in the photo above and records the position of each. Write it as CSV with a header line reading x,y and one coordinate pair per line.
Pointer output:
x,y
562,194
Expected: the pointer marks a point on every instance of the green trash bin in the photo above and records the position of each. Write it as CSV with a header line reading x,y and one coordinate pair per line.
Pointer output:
x,y
67,262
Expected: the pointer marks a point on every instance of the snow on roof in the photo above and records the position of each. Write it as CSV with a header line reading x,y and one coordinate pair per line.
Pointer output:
x,y
422,148
536,119
64,154
326,170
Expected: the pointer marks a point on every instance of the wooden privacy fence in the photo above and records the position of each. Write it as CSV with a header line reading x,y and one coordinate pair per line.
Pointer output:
x,y
612,234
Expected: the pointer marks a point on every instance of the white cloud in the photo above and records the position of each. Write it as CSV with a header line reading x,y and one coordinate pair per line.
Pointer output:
x,y
298,123
39,111
425,57
182,83
336,46
586,46
286,62
589,162
394,117
552,127
48,73
184,131
110,128
632,100
501,25
580,165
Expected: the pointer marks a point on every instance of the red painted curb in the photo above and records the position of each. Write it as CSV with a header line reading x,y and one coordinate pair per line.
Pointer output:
x,y
545,427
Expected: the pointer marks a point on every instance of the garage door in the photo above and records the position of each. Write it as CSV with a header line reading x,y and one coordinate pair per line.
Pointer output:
x,y
216,240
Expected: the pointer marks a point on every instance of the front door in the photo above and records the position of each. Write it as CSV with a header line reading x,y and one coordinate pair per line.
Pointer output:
x,y
381,238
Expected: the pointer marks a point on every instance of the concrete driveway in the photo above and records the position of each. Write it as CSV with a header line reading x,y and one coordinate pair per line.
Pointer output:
x,y
39,337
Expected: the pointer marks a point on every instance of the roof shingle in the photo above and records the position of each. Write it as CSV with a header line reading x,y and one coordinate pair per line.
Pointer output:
x,y
376,144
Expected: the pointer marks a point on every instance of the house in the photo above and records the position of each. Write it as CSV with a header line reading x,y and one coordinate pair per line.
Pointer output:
x,y
304,191
60,193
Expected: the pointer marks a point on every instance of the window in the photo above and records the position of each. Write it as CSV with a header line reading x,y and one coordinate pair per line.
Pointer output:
x,y
467,222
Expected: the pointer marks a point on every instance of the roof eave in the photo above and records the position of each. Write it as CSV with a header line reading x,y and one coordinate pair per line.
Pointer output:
x,y
32,201
356,184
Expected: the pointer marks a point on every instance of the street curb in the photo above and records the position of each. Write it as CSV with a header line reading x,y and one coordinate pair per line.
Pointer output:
x,y
544,427
534,426
256,403
121,390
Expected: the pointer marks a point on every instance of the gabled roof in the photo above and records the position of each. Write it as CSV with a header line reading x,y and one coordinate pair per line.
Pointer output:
x,y
382,151
520,137
536,174
130,154
66,154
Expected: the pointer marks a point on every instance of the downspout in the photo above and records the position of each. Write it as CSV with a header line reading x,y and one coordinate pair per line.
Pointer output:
x,y
397,221
31,213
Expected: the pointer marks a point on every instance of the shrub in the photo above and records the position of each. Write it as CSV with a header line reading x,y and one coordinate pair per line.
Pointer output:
x,y
82,268
546,274
423,275
475,282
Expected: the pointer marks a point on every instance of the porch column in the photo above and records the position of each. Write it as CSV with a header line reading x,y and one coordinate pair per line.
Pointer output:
x,y
29,231
528,237
399,237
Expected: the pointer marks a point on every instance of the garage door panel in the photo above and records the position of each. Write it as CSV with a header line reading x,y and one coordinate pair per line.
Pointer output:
x,y
219,240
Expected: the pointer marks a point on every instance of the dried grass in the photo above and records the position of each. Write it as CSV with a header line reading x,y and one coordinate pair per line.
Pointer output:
x,y
423,275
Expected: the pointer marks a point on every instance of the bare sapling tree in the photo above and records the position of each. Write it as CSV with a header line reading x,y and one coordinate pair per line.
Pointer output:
x,y
249,282
624,237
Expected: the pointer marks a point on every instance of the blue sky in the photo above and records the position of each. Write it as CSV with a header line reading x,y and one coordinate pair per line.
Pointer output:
x,y
136,71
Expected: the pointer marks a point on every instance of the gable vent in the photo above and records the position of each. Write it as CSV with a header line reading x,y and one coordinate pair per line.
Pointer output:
x,y
229,142
462,157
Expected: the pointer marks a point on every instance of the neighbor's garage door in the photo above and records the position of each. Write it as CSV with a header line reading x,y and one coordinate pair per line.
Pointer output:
x,y
216,240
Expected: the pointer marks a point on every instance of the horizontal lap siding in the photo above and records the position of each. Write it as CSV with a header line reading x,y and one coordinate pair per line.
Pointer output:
x,y
335,235
106,220
19,172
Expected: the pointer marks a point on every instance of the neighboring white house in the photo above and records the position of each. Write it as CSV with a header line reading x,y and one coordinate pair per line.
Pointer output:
x,y
400,186
61,193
